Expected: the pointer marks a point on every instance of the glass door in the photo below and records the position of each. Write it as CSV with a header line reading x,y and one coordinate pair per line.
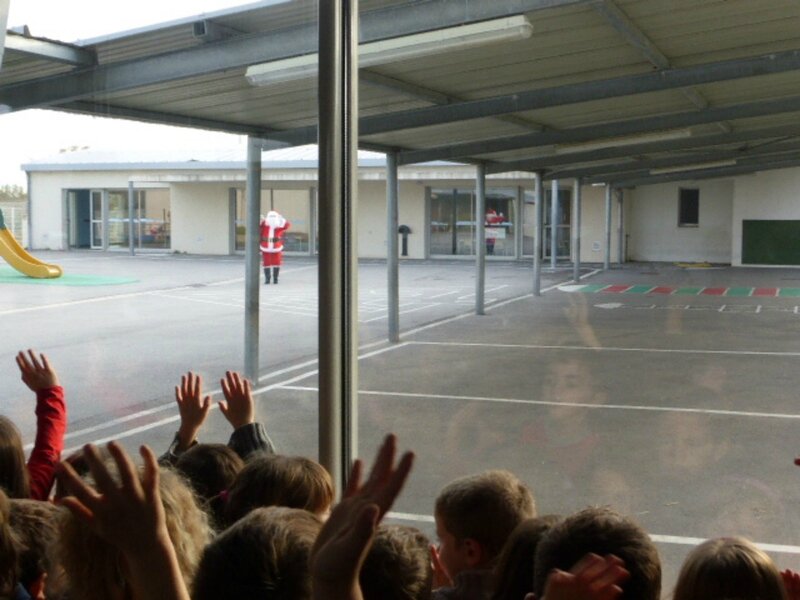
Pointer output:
x,y
563,224
97,219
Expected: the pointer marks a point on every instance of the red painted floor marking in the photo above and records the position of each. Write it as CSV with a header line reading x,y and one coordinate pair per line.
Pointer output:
x,y
662,290
713,291
765,292
616,289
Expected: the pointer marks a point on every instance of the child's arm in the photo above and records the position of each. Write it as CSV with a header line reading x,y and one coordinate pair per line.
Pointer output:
x,y
345,539
239,409
592,578
51,421
130,516
193,408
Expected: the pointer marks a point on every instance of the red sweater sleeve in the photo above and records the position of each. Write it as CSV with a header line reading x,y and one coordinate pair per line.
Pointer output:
x,y
51,423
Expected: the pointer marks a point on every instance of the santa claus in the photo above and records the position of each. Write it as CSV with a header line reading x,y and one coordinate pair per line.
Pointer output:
x,y
273,227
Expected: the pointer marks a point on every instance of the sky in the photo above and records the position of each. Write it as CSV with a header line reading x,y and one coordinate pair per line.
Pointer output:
x,y
34,134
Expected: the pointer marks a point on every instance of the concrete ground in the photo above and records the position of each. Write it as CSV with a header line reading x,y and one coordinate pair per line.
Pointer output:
x,y
678,408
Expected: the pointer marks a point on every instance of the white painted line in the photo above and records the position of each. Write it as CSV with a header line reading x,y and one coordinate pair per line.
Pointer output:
x,y
722,308
666,409
402,312
758,309
445,294
608,349
657,538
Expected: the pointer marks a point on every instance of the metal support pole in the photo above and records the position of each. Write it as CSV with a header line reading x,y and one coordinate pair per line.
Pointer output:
x,y
392,257
607,255
537,235
553,224
519,218
312,222
576,230
620,227
252,263
30,208
104,215
131,211
338,264
480,238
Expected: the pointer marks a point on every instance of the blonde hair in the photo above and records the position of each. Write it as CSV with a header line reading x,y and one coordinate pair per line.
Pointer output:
x,y
94,567
730,568
13,470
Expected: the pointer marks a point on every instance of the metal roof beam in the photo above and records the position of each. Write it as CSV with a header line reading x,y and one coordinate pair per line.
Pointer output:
x,y
50,50
633,34
576,158
246,50
767,64
605,130
615,170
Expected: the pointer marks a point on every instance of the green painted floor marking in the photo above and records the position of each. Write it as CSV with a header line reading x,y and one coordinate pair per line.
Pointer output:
x,y
688,291
789,292
739,292
639,289
11,276
593,287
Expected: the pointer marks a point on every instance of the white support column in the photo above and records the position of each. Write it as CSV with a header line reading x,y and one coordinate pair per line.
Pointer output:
x,y
621,227
131,217
392,249
576,230
519,219
252,254
553,224
104,216
607,255
538,235
480,238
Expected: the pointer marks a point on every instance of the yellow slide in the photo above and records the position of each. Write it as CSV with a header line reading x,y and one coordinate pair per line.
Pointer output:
x,y
18,257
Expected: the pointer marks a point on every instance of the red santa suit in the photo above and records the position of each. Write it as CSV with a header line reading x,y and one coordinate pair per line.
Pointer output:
x,y
273,227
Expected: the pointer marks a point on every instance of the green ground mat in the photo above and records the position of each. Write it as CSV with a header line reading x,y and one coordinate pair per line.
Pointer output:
x,y
9,275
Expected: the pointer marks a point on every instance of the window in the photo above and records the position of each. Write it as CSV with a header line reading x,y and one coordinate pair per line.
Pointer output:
x,y
689,207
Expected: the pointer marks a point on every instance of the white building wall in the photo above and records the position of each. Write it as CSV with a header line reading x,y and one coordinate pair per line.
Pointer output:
x,y
653,223
47,205
372,218
201,218
593,225
769,195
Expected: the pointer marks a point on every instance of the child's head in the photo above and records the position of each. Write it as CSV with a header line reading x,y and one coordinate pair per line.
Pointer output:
x,y
13,472
602,531
513,574
264,555
210,468
274,480
35,524
398,565
729,568
476,514
95,569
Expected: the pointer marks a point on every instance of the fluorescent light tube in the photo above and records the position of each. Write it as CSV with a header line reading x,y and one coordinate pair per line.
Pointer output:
x,y
647,138
400,48
694,167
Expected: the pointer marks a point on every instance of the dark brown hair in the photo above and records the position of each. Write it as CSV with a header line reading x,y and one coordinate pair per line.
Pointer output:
x,y
398,565
263,556
275,480
602,531
210,468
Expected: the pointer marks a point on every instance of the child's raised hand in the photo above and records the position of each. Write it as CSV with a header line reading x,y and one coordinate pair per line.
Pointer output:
x,y
791,581
128,514
238,405
591,578
345,539
193,408
37,373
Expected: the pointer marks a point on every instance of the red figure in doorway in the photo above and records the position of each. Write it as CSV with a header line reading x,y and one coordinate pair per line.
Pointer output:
x,y
273,226
492,219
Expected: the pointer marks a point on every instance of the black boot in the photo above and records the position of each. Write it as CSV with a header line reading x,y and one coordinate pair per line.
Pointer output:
x,y
275,271
266,275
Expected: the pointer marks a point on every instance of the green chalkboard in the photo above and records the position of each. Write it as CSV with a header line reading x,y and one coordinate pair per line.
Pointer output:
x,y
771,242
